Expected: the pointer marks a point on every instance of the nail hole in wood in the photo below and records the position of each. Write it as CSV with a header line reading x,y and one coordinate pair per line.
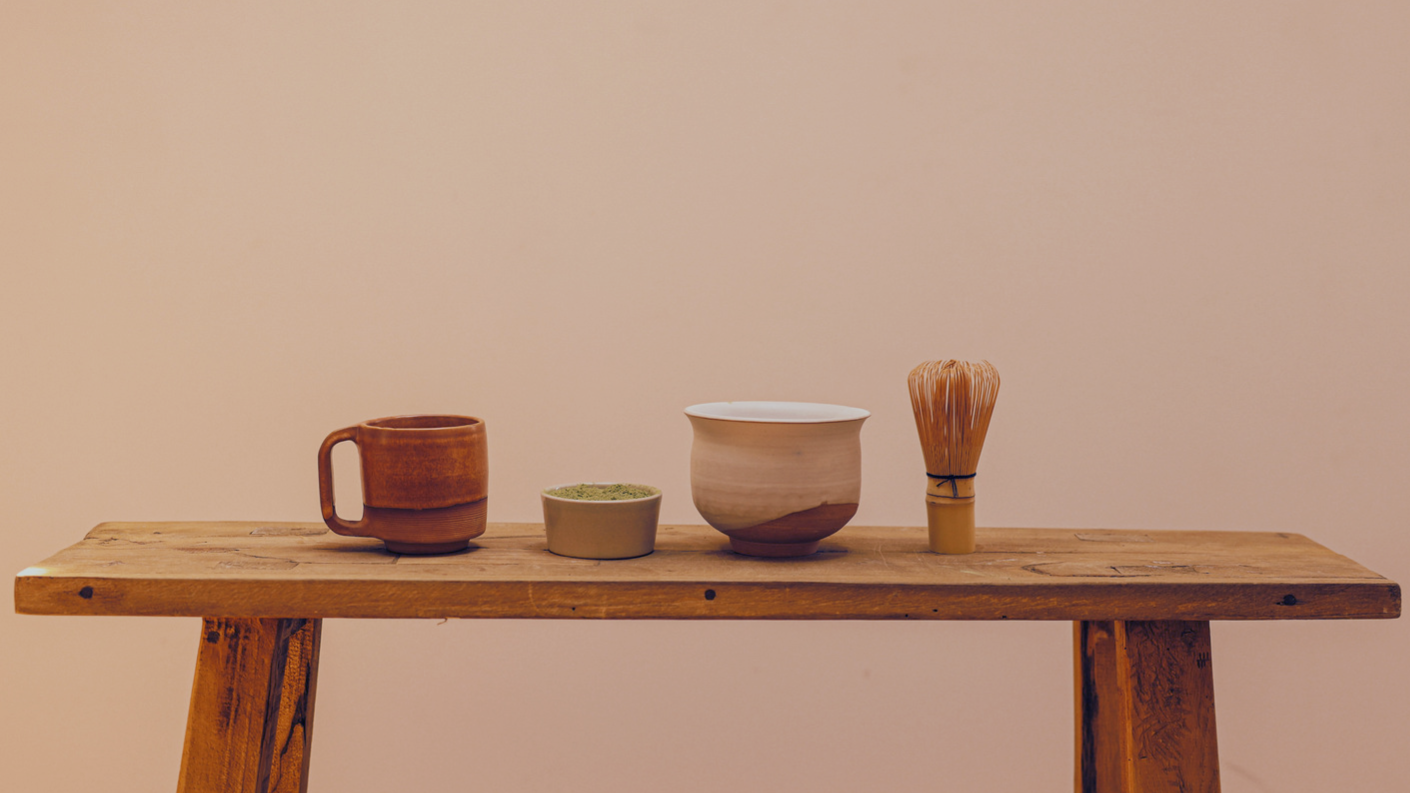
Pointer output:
x,y
709,594
86,592
1289,600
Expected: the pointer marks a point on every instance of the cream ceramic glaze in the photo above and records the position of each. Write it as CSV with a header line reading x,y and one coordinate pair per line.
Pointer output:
x,y
754,462
601,529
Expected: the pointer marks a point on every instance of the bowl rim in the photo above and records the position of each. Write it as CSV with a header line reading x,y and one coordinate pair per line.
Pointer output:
x,y
547,495
842,413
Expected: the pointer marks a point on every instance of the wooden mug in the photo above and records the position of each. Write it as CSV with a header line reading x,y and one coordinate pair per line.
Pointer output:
x,y
425,480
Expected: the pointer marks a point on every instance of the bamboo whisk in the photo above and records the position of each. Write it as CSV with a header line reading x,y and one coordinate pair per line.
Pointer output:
x,y
953,401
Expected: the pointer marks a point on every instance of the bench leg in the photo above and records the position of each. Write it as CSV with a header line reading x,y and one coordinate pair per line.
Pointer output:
x,y
251,719
1145,708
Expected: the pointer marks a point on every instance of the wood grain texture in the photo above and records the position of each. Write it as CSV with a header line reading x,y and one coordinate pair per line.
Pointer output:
x,y
251,719
1145,718
284,569
1100,708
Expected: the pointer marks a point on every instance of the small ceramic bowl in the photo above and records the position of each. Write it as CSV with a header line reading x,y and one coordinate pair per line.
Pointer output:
x,y
601,529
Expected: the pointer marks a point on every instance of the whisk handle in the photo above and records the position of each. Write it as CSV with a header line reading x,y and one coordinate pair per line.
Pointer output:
x,y
949,509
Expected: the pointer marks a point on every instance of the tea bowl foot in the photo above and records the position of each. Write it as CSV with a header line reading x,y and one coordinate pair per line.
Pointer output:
x,y
773,549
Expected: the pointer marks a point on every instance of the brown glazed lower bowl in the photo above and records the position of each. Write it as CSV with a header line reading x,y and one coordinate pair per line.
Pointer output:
x,y
797,534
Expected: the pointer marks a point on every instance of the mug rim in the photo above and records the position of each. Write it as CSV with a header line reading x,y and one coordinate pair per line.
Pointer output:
x,y
442,421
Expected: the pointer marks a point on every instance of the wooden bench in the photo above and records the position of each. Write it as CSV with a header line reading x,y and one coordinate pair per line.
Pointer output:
x,y
1140,601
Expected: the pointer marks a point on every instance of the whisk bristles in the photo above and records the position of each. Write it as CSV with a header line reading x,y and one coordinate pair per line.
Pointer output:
x,y
953,402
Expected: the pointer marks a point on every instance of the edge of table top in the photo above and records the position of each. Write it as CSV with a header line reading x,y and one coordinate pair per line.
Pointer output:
x,y
274,569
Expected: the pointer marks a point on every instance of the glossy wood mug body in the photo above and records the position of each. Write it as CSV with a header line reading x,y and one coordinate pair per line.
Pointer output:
x,y
425,480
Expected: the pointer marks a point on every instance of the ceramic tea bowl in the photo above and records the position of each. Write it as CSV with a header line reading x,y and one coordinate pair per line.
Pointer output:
x,y
592,529
776,477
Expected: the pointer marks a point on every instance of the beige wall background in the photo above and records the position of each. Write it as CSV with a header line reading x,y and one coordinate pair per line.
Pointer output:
x,y
1179,230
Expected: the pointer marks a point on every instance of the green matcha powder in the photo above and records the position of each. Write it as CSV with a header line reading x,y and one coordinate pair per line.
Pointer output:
x,y
602,492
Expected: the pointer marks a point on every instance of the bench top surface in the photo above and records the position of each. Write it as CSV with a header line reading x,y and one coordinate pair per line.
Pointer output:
x,y
264,569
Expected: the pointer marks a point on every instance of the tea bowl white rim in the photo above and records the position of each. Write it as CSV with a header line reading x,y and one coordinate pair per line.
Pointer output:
x,y
777,412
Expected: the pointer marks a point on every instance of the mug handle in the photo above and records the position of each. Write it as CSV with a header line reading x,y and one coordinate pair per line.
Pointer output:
x,y
325,485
